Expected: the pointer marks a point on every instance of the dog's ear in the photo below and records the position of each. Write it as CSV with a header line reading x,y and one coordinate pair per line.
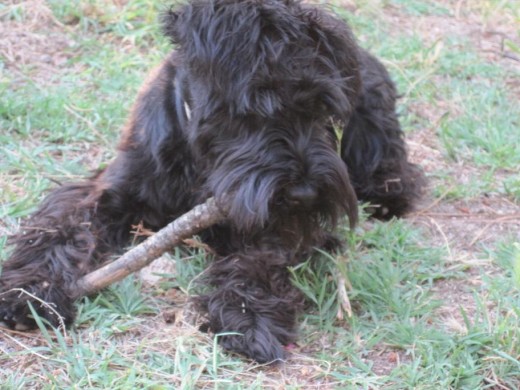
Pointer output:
x,y
338,49
184,21
169,21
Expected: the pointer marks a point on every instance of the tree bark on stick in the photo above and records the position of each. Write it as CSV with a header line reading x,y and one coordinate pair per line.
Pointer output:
x,y
199,218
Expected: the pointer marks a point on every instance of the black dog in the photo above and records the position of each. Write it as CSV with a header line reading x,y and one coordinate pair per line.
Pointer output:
x,y
246,110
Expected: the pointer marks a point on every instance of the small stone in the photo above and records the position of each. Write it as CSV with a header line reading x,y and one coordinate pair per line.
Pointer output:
x,y
21,327
153,273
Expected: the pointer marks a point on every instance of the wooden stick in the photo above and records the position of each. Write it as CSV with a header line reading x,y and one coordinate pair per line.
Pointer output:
x,y
199,218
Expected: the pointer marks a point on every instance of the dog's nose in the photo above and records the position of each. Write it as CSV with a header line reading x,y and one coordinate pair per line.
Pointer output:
x,y
302,196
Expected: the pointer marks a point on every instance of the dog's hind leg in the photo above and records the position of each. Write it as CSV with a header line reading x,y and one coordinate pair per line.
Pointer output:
x,y
65,238
373,147
79,225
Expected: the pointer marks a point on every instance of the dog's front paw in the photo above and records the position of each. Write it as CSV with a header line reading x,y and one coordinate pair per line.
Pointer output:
x,y
256,342
49,303
256,335
15,313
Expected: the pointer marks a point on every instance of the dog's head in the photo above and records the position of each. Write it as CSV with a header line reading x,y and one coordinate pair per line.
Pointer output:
x,y
263,82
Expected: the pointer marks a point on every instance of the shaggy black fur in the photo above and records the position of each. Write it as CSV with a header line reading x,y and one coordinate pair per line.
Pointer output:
x,y
244,110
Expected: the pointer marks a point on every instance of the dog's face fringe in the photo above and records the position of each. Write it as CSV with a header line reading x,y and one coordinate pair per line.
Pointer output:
x,y
263,92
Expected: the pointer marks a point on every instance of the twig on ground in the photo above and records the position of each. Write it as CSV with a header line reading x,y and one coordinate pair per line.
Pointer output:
x,y
423,211
343,284
27,348
199,218
343,298
503,219
446,241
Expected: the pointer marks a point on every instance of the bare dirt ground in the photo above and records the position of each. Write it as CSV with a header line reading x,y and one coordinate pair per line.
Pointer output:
x,y
37,43
462,226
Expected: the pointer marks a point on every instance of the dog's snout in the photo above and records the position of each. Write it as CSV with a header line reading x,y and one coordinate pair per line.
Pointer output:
x,y
302,196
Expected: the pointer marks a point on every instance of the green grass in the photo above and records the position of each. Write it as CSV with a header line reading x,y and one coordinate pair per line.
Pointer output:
x,y
479,124
401,334
417,8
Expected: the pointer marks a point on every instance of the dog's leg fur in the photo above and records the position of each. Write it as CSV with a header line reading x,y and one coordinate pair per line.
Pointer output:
x,y
374,149
53,248
255,302
79,225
